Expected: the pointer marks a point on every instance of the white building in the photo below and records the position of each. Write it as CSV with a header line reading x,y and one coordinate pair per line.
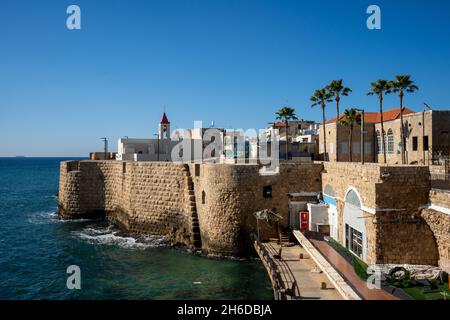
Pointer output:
x,y
148,149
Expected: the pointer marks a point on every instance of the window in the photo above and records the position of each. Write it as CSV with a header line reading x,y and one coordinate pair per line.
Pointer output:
x,y
379,144
368,147
267,192
425,143
203,197
414,143
356,147
354,240
344,147
197,170
390,141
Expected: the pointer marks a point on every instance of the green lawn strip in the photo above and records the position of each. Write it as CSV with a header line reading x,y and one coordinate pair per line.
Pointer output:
x,y
420,293
360,268
417,292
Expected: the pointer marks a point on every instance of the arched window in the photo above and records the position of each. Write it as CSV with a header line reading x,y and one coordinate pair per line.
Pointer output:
x,y
390,141
379,143
353,199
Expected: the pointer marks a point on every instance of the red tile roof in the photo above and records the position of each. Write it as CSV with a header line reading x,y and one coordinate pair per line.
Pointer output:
x,y
375,117
279,124
164,119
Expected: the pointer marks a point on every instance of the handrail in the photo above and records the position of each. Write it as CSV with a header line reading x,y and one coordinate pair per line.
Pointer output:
x,y
278,285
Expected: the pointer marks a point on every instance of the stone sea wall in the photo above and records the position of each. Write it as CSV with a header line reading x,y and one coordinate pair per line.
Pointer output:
x,y
144,197
203,205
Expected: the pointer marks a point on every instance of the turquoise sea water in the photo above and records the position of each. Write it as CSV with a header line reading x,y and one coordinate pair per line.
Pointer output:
x,y
36,248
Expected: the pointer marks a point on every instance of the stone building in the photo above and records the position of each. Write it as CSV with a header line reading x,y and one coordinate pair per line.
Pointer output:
x,y
302,136
158,149
427,137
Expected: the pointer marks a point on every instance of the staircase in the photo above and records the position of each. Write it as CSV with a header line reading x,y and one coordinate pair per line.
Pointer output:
x,y
195,226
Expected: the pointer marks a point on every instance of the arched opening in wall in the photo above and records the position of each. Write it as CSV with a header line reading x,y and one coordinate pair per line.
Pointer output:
x,y
203,197
390,141
379,143
353,223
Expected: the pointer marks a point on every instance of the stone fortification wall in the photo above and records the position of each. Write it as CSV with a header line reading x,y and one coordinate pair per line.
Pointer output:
x,y
391,198
437,215
143,197
228,195
204,204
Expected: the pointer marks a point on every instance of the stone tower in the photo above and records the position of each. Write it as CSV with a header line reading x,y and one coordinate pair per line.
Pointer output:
x,y
164,127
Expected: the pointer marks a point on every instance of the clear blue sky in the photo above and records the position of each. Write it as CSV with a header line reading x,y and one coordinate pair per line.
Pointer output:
x,y
234,62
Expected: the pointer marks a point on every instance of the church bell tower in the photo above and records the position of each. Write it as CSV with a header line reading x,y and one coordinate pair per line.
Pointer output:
x,y
164,128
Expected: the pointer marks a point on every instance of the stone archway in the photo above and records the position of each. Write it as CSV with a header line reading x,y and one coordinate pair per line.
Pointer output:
x,y
354,235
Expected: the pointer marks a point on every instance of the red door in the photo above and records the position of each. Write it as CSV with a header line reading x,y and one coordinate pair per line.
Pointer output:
x,y
304,220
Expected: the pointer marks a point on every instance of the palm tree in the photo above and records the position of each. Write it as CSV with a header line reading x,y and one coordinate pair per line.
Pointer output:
x,y
285,114
380,88
350,119
402,84
320,98
337,90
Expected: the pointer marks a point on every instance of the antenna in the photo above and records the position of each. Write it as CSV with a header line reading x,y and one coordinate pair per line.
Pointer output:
x,y
427,107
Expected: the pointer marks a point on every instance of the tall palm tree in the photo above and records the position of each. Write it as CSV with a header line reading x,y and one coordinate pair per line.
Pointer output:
x,y
380,88
350,119
320,98
285,114
337,90
402,84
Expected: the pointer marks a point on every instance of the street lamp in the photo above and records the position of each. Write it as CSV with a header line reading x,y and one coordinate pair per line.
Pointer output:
x,y
362,134
105,146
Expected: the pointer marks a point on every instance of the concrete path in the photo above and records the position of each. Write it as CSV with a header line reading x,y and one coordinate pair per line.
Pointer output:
x,y
348,273
295,269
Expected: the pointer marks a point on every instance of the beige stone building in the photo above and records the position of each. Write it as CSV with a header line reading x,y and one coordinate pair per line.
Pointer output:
x,y
427,138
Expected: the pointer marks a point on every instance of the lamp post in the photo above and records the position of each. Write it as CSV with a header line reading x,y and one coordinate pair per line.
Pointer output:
x,y
157,150
105,146
362,135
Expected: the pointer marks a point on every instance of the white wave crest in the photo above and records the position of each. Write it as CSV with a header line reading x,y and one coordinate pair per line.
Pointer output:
x,y
111,236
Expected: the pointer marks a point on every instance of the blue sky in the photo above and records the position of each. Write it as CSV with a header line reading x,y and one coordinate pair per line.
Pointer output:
x,y
234,62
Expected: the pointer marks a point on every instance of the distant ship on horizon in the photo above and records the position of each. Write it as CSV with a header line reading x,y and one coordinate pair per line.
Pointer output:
x,y
20,156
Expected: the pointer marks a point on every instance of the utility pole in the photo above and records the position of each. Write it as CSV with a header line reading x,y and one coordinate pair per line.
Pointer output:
x,y
362,135
105,147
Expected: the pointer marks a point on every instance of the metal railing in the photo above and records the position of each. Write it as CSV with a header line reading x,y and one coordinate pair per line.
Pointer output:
x,y
281,289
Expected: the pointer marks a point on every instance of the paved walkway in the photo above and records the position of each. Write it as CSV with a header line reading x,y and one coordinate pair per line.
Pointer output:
x,y
295,269
348,273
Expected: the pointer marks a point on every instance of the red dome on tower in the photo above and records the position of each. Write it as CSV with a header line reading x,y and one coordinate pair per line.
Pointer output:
x,y
164,119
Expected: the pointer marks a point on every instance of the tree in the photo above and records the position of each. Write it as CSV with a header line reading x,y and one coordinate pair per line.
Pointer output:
x,y
380,88
285,114
320,98
350,119
336,91
402,84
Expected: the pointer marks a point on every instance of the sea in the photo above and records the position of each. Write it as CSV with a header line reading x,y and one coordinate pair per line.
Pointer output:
x,y
37,250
